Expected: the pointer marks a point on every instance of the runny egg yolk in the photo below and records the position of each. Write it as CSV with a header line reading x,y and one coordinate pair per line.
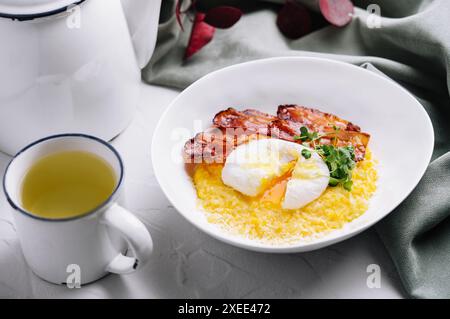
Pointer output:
x,y
274,170
276,188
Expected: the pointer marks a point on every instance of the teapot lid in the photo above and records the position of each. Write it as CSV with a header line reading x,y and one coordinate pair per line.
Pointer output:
x,y
31,9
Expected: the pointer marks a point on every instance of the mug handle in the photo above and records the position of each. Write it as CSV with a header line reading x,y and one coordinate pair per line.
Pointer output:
x,y
136,235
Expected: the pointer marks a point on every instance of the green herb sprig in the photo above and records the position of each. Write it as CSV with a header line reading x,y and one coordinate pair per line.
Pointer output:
x,y
306,153
306,136
340,160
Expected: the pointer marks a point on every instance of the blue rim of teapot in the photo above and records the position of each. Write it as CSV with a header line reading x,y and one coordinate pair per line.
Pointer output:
x,y
28,17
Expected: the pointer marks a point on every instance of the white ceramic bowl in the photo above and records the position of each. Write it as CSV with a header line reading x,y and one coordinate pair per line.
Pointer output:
x,y
402,133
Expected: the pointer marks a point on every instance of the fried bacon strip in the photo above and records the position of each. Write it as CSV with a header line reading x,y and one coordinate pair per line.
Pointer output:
x,y
251,120
214,145
232,128
315,120
336,131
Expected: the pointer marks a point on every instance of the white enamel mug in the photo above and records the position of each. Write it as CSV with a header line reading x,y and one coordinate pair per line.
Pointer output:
x,y
95,243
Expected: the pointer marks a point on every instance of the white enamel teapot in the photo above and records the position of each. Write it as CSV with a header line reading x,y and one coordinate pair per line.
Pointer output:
x,y
71,66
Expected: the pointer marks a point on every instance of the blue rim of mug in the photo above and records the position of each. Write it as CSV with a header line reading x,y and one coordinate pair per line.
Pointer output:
x,y
27,17
88,213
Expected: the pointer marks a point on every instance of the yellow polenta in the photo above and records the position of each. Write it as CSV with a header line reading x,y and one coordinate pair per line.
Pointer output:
x,y
266,221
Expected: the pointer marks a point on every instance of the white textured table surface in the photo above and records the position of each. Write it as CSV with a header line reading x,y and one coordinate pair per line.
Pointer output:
x,y
189,264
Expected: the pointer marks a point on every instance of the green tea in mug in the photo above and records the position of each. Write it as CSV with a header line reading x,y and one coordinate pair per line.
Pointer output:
x,y
67,184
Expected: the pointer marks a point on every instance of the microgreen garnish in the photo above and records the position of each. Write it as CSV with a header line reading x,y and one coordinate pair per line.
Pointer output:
x,y
306,136
340,162
306,153
336,129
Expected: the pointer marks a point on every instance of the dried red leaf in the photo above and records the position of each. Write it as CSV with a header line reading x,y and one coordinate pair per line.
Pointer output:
x,y
201,34
223,17
178,13
337,12
294,20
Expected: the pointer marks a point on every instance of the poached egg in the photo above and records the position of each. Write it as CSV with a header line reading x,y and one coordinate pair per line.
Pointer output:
x,y
253,167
